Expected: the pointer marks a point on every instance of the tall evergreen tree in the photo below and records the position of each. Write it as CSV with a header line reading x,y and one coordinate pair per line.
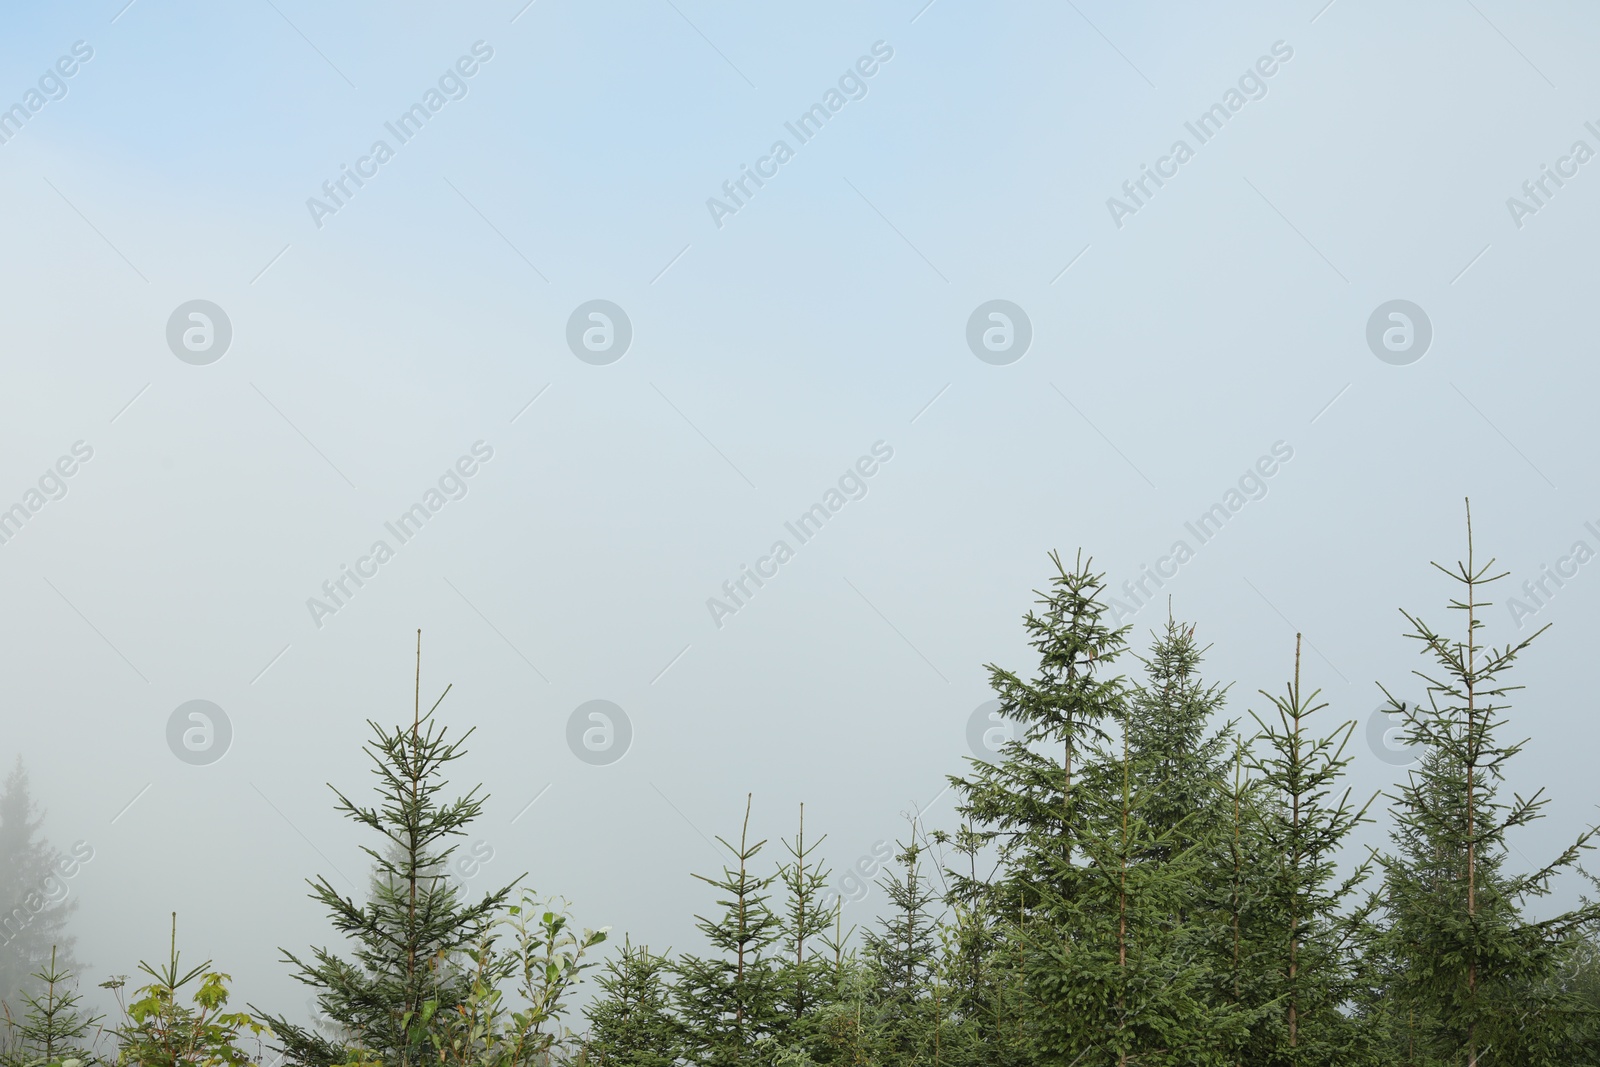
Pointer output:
x,y
1117,979
803,974
632,1024
1304,823
34,902
902,955
410,937
980,1030
1026,805
1089,886
1474,980
726,1002
1179,758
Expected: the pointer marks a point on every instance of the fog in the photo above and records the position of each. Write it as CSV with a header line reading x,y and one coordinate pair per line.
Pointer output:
x,y
572,495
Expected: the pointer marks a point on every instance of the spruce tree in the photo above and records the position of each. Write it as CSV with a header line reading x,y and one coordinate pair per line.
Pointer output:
x,y
976,1025
632,1024
53,1030
727,1002
1473,980
1089,886
1304,823
1115,980
1235,903
34,908
1026,805
903,954
1180,762
803,974
411,938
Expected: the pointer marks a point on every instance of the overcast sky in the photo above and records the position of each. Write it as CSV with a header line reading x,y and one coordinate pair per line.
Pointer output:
x,y
1328,317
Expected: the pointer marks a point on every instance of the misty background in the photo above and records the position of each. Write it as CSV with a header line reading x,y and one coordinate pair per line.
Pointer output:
x,y
768,354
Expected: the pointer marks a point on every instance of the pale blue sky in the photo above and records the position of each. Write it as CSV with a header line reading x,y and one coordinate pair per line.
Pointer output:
x,y
767,356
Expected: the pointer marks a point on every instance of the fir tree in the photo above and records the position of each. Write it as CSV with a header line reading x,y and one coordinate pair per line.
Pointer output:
x,y
976,1026
1235,905
726,1003
632,1024
803,975
1114,980
1475,980
33,905
1304,822
411,936
1026,805
1086,962
1180,765
53,1030
902,955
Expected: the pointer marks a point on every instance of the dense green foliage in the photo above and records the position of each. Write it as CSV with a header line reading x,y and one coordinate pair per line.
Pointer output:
x,y
1133,881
